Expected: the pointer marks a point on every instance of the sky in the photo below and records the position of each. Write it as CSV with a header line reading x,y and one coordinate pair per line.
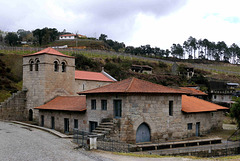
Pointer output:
x,y
159,23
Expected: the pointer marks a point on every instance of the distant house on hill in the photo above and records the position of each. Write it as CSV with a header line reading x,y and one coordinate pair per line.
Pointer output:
x,y
186,71
70,36
141,69
221,92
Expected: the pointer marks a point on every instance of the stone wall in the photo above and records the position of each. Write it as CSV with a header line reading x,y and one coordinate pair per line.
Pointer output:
x,y
59,119
83,85
14,107
136,109
222,97
208,121
154,111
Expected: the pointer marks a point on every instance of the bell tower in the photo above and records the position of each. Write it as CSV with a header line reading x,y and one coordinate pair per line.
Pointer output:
x,y
47,74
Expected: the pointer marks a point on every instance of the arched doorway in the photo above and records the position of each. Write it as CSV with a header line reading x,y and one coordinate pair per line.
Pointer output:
x,y
30,115
143,133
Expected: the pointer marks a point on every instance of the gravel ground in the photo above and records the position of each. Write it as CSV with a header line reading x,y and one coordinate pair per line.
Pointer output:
x,y
21,143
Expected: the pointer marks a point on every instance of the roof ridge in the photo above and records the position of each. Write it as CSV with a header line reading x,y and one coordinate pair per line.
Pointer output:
x,y
130,84
87,71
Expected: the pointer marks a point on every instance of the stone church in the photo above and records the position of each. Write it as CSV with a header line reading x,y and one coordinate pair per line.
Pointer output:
x,y
131,110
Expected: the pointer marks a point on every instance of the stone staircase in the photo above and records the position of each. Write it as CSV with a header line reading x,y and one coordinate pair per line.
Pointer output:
x,y
104,128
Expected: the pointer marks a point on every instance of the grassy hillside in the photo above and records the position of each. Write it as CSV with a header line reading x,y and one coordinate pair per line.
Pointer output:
x,y
81,43
11,74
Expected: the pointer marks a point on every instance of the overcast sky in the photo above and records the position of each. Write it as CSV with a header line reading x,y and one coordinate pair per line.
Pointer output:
x,y
135,22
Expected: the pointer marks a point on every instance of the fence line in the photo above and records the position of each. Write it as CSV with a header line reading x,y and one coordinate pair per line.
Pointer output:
x,y
82,139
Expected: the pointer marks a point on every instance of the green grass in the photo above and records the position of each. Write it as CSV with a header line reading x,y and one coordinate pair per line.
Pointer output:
x,y
228,158
78,43
144,155
18,52
225,68
4,95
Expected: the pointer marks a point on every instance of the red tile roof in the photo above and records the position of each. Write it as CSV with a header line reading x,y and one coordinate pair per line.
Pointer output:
x,y
192,91
49,51
68,35
94,76
65,103
192,104
133,85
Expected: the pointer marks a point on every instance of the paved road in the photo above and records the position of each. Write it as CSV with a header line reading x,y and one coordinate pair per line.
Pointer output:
x,y
21,143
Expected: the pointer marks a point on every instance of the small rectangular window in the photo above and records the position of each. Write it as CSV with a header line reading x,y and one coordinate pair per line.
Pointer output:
x,y
170,108
76,123
104,104
93,104
189,126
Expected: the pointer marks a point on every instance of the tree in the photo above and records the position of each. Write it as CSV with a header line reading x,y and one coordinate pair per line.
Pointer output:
x,y
192,42
177,50
205,44
129,49
103,37
221,50
11,39
38,36
23,34
235,111
45,35
167,52
234,50
186,47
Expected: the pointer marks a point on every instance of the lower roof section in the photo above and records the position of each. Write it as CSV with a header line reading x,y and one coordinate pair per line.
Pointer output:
x,y
65,103
192,104
93,76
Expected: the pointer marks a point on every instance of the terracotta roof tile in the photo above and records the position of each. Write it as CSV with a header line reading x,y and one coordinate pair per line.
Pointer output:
x,y
49,51
94,76
192,91
65,103
133,85
192,104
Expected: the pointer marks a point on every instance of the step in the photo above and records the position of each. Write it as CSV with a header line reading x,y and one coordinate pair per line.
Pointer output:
x,y
107,120
103,128
106,123
99,131
96,134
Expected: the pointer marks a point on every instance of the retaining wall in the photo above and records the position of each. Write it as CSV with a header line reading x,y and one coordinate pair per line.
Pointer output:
x,y
14,108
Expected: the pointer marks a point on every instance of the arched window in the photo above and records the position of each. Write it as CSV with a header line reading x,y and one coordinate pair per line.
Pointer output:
x,y
37,65
63,67
56,68
31,65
